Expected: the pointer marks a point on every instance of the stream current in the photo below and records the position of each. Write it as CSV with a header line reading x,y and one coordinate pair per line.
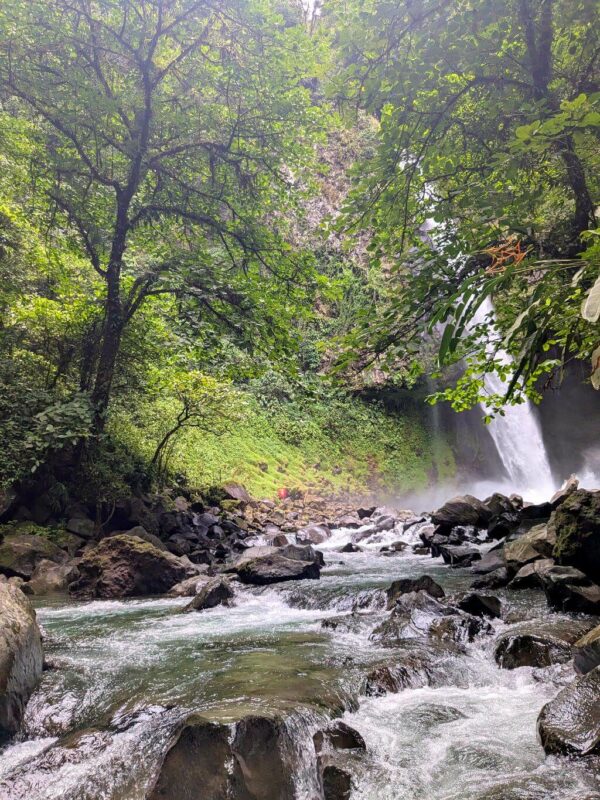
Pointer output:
x,y
124,672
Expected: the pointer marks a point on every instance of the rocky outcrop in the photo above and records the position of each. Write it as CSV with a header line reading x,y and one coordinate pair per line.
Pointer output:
x,y
51,578
216,592
265,565
538,644
21,657
253,759
125,566
586,652
20,553
576,526
570,724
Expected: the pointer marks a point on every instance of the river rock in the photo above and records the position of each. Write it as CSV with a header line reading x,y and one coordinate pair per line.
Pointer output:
x,y
336,781
569,589
462,510
586,652
21,657
20,553
253,759
82,526
313,534
189,587
365,512
350,547
215,592
576,526
51,578
570,724
412,669
459,555
538,644
125,566
141,533
423,583
530,576
338,736
493,580
480,605
489,562
265,565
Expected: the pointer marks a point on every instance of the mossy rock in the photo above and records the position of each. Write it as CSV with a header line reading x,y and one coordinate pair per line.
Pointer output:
x,y
576,524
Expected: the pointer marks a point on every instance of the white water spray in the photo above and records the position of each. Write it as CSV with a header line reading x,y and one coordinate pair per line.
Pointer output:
x,y
517,435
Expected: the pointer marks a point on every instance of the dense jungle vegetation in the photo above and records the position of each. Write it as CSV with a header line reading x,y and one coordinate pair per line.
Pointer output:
x,y
223,223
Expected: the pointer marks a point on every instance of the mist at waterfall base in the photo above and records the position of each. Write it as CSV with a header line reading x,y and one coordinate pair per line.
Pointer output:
x,y
523,465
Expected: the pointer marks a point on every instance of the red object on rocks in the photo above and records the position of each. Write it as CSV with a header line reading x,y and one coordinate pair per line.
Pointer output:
x,y
282,493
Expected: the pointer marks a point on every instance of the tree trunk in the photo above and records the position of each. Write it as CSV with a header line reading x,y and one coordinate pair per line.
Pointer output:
x,y
109,351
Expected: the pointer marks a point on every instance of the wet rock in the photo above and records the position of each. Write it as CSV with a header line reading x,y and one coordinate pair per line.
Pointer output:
x,y
189,587
481,605
125,566
253,759
424,583
459,555
347,521
395,547
586,652
337,782
313,534
265,565
538,644
21,657
489,562
462,510
493,580
215,592
350,547
536,511
499,503
569,589
51,578
364,513
412,669
570,724
519,552
576,525
503,525
21,553
457,629
530,576
338,736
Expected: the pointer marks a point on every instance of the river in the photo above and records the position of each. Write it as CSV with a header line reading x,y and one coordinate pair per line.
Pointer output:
x,y
123,673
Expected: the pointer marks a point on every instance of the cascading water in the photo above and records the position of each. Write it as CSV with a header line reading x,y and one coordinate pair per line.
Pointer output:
x,y
517,434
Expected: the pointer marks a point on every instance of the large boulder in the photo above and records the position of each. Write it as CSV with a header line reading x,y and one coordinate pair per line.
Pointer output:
x,y
20,553
216,592
141,533
462,510
51,578
253,759
586,652
576,525
338,735
21,657
537,543
570,724
125,566
459,555
569,589
531,575
313,534
265,565
424,583
336,781
538,644
480,605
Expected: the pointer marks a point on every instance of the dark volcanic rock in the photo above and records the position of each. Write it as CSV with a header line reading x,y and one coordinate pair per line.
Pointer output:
x,y
576,526
463,510
21,657
459,555
406,585
412,669
481,605
538,644
215,592
253,759
493,580
569,589
125,566
339,736
337,783
530,576
264,565
570,724
586,652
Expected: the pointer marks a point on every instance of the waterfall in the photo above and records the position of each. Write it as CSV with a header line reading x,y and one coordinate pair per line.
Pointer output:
x,y
517,435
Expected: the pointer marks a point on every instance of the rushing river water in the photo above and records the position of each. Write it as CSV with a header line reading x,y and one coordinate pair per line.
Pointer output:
x,y
123,673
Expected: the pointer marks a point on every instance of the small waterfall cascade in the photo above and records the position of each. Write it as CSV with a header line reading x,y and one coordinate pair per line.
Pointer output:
x,y
517,435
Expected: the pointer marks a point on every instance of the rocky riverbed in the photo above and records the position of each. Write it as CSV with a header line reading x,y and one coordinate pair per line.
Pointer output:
x,y
308,650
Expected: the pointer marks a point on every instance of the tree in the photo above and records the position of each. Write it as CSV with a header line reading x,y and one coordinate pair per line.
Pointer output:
x,y
164,134
489,119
